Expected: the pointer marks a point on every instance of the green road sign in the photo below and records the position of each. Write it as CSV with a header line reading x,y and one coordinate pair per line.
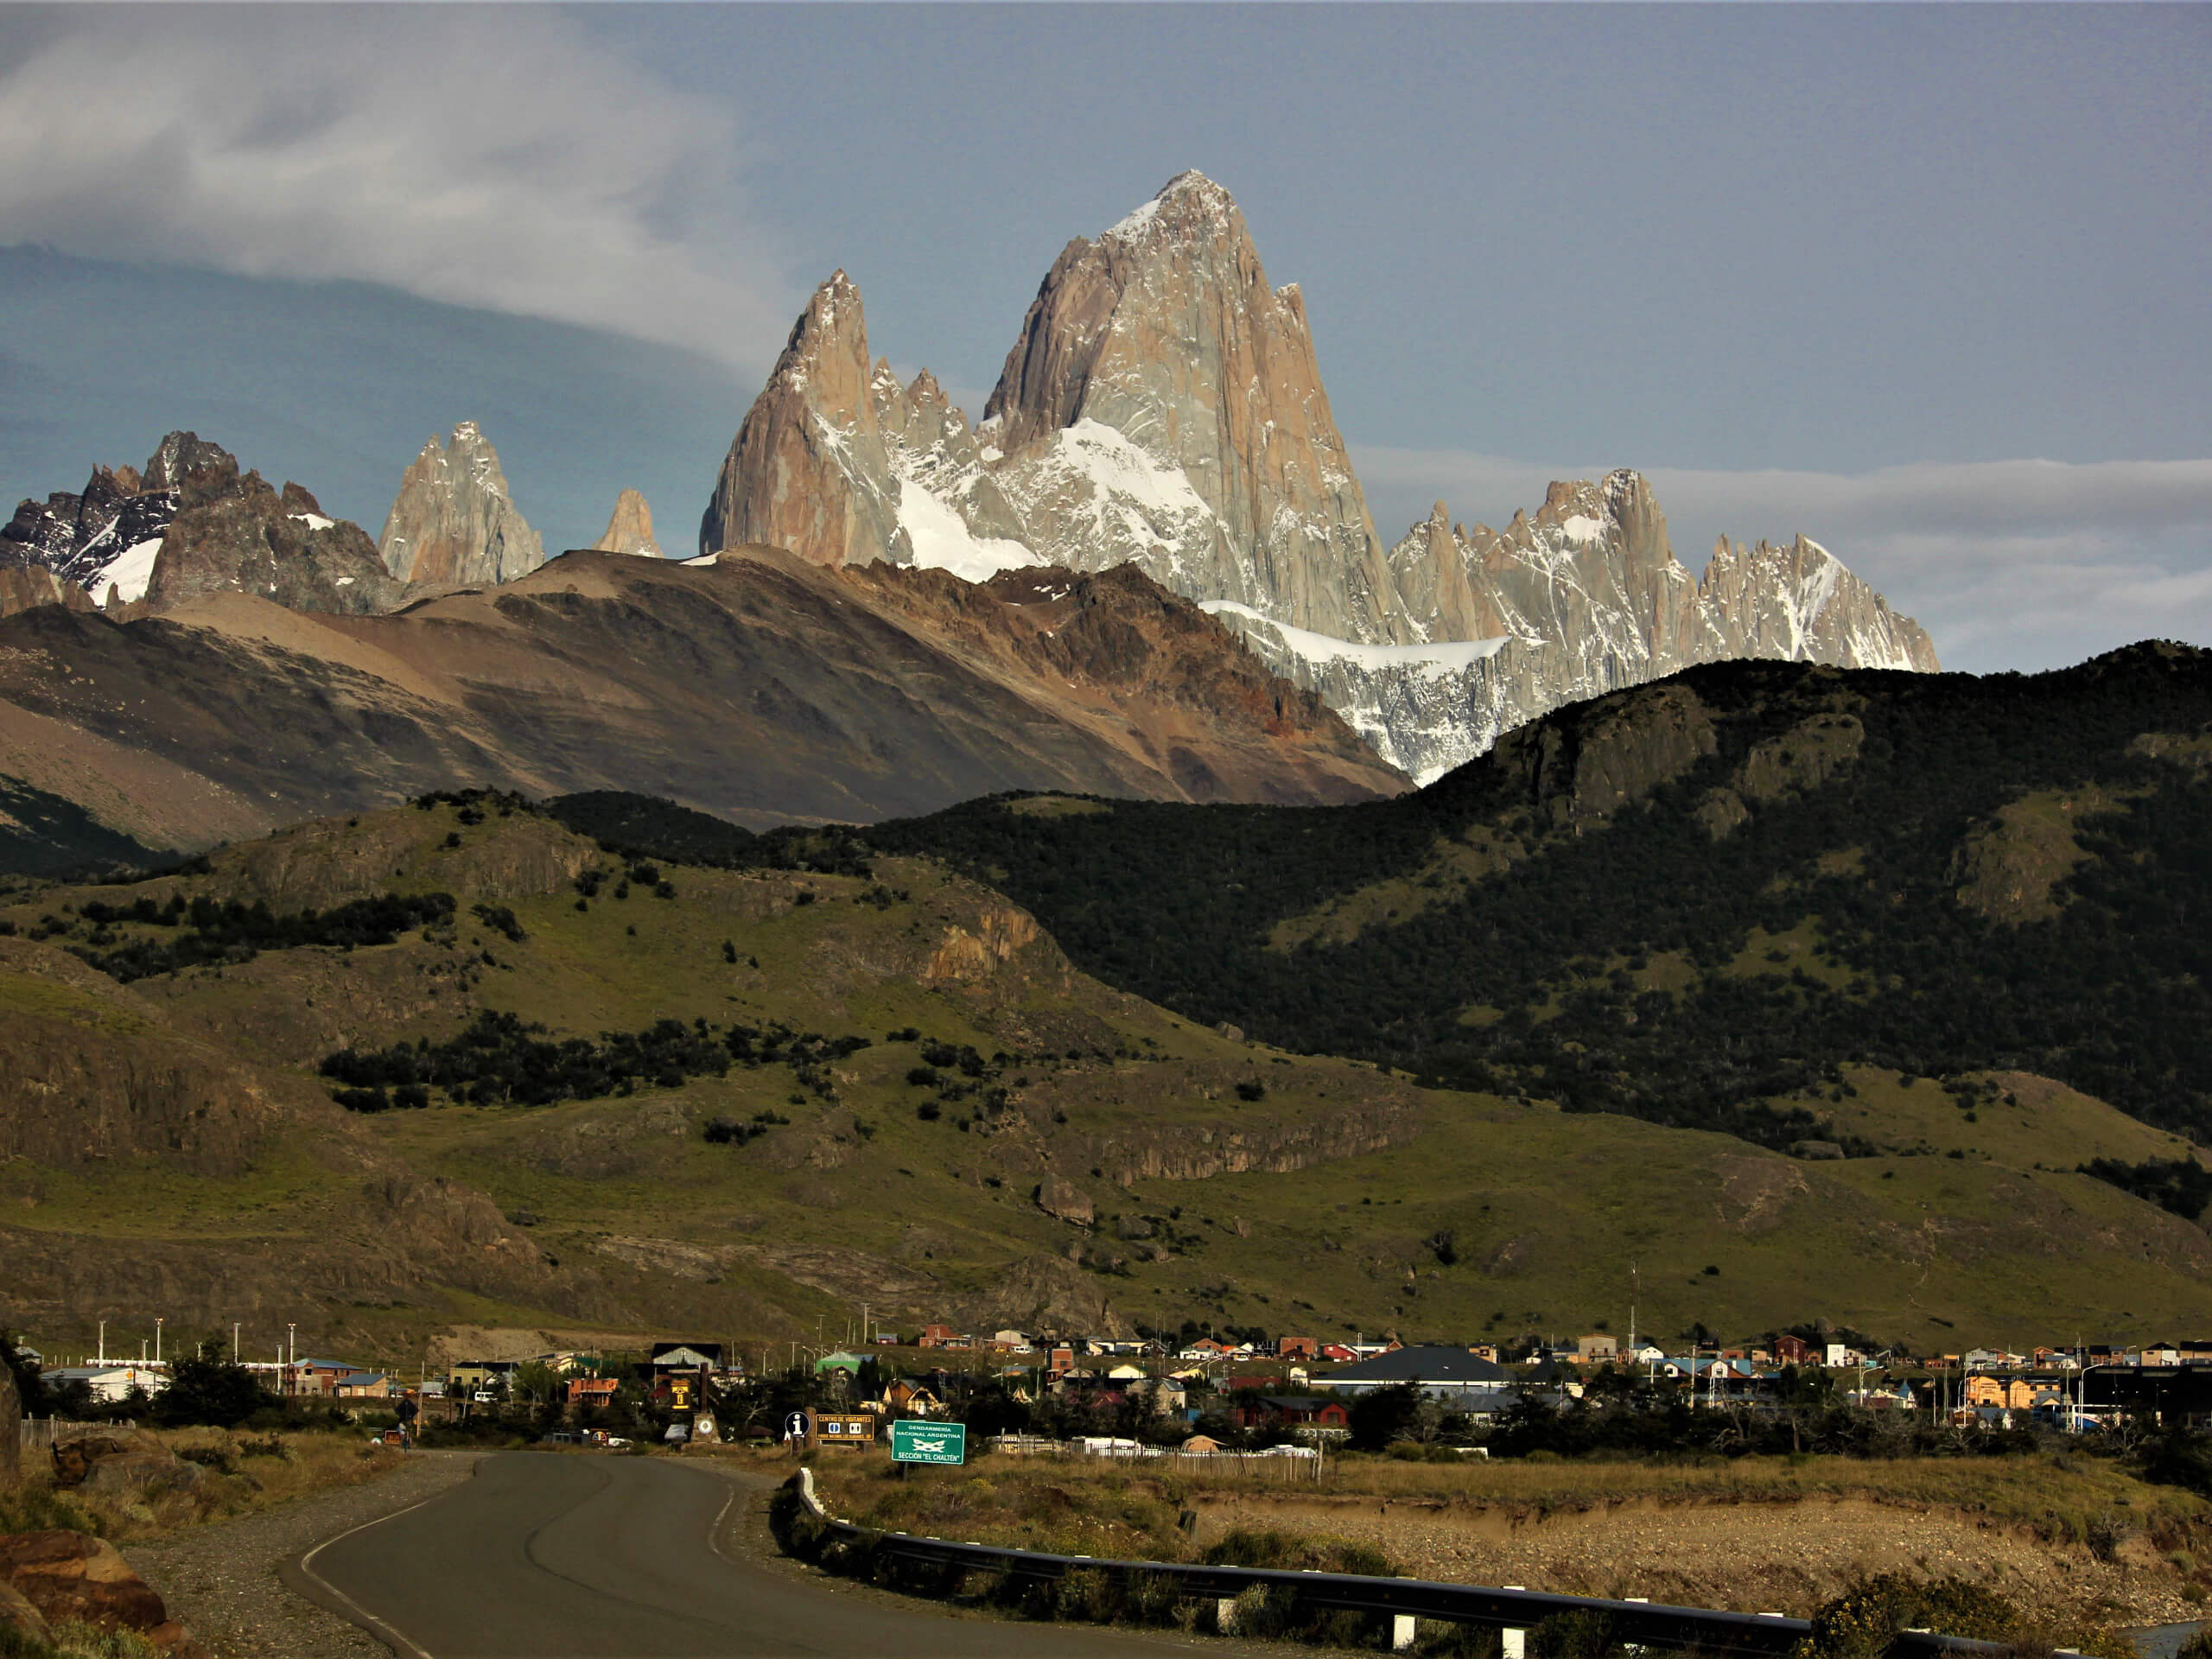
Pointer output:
x,y
929,1442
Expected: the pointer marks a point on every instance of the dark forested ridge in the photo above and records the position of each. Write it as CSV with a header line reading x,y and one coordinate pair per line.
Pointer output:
x,y
2008,871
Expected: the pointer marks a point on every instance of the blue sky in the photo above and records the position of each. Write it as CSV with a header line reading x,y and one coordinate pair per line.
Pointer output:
x,y
1848,271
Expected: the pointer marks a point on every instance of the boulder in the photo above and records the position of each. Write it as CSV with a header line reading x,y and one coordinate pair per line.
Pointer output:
x,y
73,1578
1065,1201
125,1465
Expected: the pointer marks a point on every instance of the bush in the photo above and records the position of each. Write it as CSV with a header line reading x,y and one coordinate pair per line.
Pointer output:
x,y
1864,1621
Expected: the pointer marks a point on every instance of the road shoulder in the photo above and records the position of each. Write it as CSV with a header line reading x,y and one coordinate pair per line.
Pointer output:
x,y
232,1582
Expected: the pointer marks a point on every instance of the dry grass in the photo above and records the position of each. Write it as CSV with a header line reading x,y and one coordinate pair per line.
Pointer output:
x,y
235,1474
1092,1507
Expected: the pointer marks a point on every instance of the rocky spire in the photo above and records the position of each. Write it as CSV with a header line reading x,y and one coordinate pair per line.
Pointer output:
x,y
631,528
1163,404
808,470
452,521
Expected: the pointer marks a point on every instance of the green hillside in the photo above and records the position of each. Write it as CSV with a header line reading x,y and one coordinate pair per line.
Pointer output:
x,y
806,1091
1698,902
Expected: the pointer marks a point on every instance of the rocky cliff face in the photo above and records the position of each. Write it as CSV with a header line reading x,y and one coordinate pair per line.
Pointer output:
x,y
24,586
1586,597
454,522
190,524
1163,407
104,540
630,530
808,469
237,535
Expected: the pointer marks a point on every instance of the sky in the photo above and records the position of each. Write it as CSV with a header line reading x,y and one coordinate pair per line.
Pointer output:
x,y
1926,283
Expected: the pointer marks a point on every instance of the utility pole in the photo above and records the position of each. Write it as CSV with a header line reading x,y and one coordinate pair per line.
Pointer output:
x,y
157,1339
103,1358
1631,1309
234,1341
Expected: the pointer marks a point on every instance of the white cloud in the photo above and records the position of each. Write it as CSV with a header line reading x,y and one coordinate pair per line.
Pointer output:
x,y
2009,564
499,157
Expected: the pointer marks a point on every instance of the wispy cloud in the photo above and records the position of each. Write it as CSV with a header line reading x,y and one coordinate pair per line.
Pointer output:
x,y
496,157
2009,563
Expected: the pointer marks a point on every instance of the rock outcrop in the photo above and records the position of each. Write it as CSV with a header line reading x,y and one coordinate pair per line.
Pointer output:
x,y
105,540
237,535
452,522
190,524
71,1578
630,528
22,586
808,470
1163,407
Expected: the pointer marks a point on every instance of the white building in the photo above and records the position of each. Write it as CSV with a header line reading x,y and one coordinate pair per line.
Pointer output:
x,y
109,1384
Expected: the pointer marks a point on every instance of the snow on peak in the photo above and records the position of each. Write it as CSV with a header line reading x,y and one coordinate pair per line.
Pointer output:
x,y
1130,228
1189,183
313,520
942,540
1581,527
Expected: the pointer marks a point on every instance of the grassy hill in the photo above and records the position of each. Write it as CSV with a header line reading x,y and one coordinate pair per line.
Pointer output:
x,y
922,1104
1697,902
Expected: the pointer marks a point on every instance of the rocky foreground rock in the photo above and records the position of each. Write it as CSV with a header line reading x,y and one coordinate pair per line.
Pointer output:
x,y
55,1578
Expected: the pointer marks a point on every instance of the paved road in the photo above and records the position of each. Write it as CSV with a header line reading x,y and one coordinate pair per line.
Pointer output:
x,y
550,1557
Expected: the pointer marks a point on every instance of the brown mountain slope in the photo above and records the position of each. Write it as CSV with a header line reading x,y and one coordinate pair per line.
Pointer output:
x,y
760,687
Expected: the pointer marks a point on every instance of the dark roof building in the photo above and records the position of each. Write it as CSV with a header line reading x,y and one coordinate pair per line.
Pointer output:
x,y
1451,1375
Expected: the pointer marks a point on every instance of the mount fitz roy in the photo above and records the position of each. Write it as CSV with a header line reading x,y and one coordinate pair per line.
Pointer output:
x,y
1162,409
1162,406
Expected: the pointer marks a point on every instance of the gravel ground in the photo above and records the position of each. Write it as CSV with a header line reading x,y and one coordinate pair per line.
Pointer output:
x,y
1782,1557
221,1579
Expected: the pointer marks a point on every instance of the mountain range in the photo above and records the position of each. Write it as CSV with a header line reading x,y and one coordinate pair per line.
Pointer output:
x,y
1162,406
1162,413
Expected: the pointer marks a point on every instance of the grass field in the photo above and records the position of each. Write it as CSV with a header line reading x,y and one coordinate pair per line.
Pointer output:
x,y
1225,1183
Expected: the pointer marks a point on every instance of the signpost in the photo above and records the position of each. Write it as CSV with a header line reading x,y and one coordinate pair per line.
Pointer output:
x,y
913,1442
798,1430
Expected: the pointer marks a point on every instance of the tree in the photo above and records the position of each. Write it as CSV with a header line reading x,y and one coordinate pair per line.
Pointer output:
x,y
1381,1415
207,1389
30,1389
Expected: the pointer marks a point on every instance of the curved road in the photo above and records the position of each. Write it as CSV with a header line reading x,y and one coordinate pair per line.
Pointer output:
x,y
544,1556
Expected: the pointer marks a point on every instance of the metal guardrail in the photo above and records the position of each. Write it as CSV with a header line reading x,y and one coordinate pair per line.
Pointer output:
x,y
1637,1623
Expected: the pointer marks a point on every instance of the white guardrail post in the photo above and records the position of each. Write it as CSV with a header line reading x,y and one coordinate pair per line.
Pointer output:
x,y
1513,1644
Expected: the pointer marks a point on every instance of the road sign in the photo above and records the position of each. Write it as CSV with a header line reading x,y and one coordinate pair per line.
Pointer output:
x,y
798,1425
929,1442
